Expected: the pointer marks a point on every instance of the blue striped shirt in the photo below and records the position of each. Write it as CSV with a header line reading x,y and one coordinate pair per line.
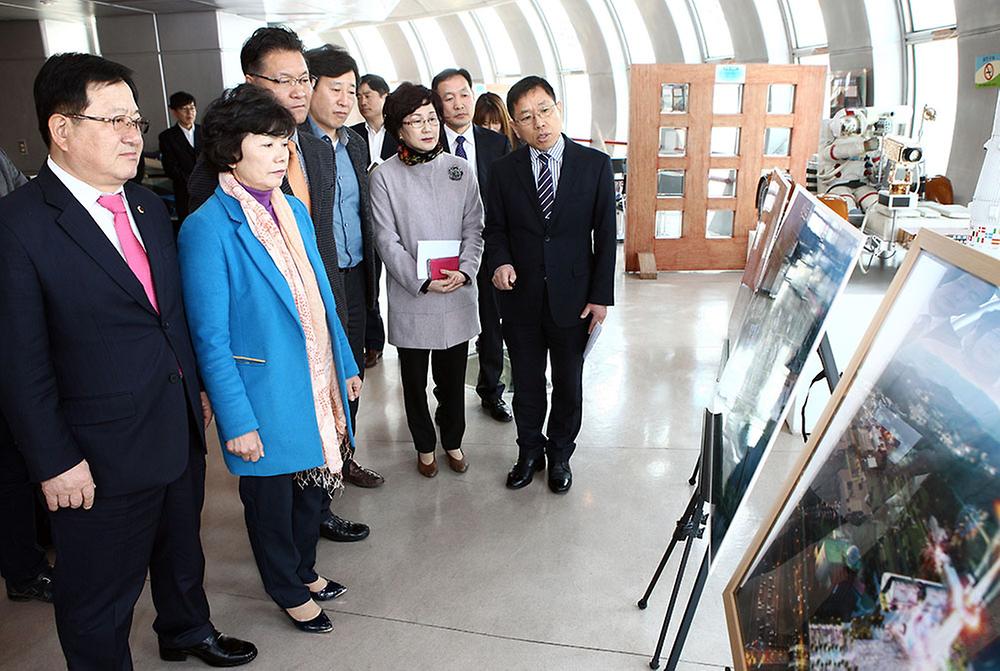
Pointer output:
x,y
555,162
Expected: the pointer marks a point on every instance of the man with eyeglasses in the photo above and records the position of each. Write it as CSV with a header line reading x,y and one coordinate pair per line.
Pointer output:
x,y
550,242
179,148
480,147
100,382
273,58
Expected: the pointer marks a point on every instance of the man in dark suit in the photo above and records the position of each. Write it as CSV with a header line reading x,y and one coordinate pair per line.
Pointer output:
x,y
179,147
481,147
100,381
372,92
550,240
273,58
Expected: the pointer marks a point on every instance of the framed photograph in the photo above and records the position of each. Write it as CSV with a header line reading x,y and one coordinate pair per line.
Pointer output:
x,y
883,551
772,205
810,261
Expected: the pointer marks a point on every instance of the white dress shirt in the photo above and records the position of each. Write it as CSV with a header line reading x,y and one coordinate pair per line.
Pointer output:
x,y
87,196
469,145
555,162
375,140
188,134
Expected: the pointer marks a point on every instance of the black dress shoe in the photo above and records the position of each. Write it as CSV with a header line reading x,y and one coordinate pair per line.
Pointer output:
x,y
318,625
498,409
560,477
340,530
524,471
38,588
216,650
330,592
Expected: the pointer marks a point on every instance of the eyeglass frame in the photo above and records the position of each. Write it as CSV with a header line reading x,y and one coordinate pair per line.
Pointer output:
x,y
141,124
305,80
422,123
543,113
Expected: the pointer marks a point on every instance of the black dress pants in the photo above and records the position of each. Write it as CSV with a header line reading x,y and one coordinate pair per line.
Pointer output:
x,y
354,289
101,559
488,385
283,524
374,327
21,558
448,371
529,344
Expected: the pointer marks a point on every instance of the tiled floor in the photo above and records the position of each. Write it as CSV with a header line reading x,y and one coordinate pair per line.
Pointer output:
x,y
460,573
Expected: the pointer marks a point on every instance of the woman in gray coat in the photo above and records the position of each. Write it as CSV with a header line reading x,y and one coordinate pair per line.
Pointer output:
x,y
424,194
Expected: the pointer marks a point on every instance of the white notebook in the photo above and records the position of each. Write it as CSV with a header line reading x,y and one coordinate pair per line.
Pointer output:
x,y
434,249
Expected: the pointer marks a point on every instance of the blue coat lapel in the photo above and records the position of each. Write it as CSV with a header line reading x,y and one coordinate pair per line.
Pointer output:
x,y
255,250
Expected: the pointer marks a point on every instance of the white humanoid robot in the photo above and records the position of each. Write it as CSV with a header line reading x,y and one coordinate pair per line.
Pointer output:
x,y
848,163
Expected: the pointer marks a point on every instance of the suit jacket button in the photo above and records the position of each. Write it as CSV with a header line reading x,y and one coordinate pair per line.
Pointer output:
x,y
174,378
547,238
166,326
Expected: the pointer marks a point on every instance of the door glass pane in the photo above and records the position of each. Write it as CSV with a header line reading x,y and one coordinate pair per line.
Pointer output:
x,y
669,224
669,183
673,141
780,98
722,183
725,141
674,98
776,141
719,224
728,99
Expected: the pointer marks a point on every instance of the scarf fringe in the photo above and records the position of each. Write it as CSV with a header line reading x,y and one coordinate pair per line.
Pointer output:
x,y
321,477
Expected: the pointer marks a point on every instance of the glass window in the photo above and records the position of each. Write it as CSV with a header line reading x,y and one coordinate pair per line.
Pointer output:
x,y
673,141
479,45
725,141
807,23
504,55
570,53
935,85
669,183
435,44
640,47
674,98
544,44
719,224
418,53
576,106
777,141
65,36
728,99
669,224
376,56
685,30
929,14
619,69
718,42
780,98
722,183
815,59
772,21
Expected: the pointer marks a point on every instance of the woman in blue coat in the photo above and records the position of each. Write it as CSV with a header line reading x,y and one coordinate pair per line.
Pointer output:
x,y
272,354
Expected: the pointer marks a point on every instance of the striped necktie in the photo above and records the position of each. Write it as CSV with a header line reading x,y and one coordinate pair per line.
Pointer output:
x,y
546,190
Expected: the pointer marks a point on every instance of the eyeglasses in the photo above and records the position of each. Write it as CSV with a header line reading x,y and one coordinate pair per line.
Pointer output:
x,y
121,123
544,112
421,123
288,83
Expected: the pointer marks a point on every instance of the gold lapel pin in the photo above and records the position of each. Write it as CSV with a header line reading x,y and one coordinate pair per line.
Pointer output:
x,y
139,208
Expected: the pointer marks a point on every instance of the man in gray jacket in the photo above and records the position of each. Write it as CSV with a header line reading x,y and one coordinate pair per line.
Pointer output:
x,y
10,176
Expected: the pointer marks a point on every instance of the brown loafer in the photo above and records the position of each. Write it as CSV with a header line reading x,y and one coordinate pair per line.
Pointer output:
x,y
371,357
427,470
359,476
458,465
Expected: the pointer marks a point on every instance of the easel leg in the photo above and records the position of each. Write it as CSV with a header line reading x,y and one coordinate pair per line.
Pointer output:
x,y
694,475
689,611
654,663
679,534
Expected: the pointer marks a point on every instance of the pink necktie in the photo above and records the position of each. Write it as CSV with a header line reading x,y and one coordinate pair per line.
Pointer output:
x,y
135,255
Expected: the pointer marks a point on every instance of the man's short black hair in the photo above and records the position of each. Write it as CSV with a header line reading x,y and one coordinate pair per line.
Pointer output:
x,y
180,99
525,86
265,41
404,101
375,83
61,85
331,61
239,112
448,74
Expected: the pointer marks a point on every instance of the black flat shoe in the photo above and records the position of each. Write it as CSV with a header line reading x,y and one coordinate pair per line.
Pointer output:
x,y
318,625
524,471
38,588
498,410
560,477
217,650
342,531
330,592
